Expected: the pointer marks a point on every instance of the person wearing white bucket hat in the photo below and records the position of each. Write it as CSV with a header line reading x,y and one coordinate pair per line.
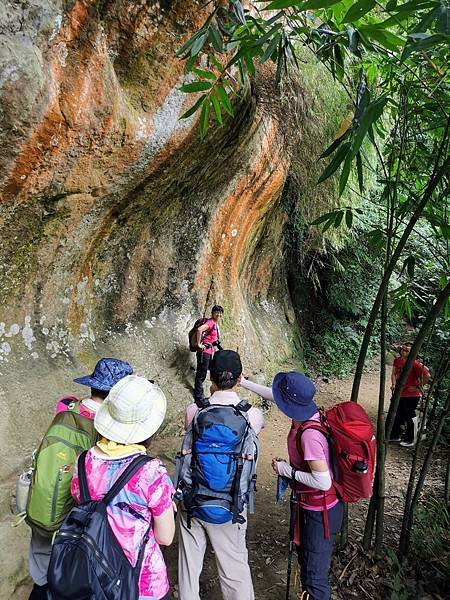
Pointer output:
x,y
133,411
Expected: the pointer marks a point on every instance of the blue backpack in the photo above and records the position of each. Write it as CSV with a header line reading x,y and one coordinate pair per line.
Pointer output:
x,y
216,468
87,561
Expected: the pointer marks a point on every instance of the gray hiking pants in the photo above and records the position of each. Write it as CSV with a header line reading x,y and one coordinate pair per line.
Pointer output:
x,y
228,542
39,557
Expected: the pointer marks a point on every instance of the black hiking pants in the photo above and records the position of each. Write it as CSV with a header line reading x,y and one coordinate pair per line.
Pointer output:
x,y
405,414
203,360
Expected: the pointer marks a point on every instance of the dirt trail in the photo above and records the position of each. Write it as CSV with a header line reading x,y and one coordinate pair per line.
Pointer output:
x,y
268,527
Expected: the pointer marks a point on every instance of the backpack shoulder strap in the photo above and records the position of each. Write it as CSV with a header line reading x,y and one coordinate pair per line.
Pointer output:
x,y
204,403
124,478
84,489
243,406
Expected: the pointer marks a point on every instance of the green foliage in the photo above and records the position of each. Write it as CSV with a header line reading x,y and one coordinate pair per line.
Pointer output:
x,y
431,541
400,589
385,41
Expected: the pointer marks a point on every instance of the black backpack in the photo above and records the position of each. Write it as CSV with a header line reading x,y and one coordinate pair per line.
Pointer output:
x,y
192,335
87,561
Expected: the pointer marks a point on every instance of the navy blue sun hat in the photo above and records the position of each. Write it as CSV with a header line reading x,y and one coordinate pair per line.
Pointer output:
x,y
107,372
293,393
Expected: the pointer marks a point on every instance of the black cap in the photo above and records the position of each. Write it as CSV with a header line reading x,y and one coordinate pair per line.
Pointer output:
x,y
226,361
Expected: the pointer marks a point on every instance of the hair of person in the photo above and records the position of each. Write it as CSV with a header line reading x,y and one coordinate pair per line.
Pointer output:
x,y
224,380
217,308
98,393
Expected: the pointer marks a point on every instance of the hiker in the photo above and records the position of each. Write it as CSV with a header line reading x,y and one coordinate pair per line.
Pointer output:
x,y
207,340
403,429
318,512
134,411
53,467
214,502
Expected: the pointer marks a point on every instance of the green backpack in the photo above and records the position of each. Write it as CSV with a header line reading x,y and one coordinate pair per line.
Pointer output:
x,y
49,498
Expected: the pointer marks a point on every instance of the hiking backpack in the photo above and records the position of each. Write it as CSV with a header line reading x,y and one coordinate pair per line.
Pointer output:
x,y
216,468
87,561
192,335
352,443
49,499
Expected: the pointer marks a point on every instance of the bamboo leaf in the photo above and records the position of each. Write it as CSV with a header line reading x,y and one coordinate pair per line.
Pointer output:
x,y
216,104
248,59
345,173
349,218
193,108
204,74
359,170
271,48
185,47
276,4
371,113
425,41
334,145
340,155
312,4
225,100
384,37
195,86
338,219
330,216
204,117
358,10
198,44
215,39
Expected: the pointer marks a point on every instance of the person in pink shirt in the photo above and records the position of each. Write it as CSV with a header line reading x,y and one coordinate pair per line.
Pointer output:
x,y
131,415
309,470
208,336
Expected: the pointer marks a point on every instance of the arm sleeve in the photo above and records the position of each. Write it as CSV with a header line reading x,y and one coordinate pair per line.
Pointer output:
x,y
319,480
262,390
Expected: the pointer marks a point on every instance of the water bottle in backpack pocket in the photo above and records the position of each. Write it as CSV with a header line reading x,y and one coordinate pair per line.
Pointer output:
x,y
216,469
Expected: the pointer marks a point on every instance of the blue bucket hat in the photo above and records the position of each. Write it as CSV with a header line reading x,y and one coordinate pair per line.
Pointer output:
x,y
293,393
107,372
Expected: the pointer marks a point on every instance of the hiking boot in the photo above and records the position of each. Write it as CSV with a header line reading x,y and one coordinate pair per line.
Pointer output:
x,y
407,444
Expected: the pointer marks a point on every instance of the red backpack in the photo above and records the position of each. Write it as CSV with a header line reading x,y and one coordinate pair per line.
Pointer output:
x,y
352,448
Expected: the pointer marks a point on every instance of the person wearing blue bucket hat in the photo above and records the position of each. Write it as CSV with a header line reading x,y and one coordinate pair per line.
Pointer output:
x,y
72,416
107,372
316,512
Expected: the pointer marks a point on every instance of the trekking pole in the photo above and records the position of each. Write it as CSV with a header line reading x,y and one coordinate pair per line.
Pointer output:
x,y
293,510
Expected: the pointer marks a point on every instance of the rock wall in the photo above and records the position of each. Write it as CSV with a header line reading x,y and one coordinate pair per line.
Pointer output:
x,y
118,226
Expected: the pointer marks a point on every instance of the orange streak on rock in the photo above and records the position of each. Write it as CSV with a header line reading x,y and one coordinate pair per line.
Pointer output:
x,y
236,222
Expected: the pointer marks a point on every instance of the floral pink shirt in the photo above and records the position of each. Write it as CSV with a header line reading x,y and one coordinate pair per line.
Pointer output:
x,y
147,494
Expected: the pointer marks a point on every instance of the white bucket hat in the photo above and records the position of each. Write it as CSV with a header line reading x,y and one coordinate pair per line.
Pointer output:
x,y
132,412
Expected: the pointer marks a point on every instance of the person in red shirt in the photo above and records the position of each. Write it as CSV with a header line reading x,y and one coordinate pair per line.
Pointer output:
x,y
208,336
409,398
